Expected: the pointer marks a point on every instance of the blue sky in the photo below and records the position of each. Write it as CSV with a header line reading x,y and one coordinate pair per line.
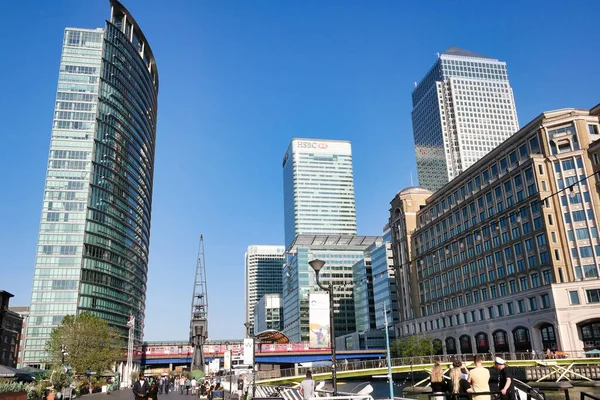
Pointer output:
x,y
238,80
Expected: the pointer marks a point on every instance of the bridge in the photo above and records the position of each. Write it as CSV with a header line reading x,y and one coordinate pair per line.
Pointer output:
x,y
554,369
177,353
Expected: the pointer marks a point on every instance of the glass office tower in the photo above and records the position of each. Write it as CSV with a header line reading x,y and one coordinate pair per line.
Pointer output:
x,y
94,235
263,275
462,109
318,189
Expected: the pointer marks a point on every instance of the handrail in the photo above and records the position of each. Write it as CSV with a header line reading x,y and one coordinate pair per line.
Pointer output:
x,y
419,360
584,395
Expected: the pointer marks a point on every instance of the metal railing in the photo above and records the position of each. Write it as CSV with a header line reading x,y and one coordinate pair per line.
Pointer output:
x,y
419,360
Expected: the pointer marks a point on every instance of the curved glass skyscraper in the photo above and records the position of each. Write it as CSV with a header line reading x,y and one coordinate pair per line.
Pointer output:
x,y
94,236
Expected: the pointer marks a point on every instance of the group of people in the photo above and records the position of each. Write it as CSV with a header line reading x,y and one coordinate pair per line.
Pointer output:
x,y
463,381
150,389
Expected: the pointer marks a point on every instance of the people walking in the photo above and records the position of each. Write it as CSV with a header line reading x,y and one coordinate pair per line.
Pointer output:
x,y
181,384
479,378
307,386
153,391
505,379
140,388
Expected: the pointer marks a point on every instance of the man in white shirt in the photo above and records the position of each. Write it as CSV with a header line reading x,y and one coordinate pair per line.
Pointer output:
x,y
307,387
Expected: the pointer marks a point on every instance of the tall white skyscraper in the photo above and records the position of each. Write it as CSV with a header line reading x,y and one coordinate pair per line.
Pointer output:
x,y
264,266
318,189
462,109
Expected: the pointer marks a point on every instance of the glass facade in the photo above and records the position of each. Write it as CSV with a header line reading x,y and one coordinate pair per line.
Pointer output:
x,y
340,254
462,109
384,284
364,307
268,313
94,234
318,185
264,265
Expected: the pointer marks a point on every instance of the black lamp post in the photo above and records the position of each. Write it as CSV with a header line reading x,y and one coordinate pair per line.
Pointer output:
x,y
248,325
317,264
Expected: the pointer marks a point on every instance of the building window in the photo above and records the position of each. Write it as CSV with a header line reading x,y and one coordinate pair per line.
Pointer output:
x,y
521,305
593,295
533,304
511,308
545,301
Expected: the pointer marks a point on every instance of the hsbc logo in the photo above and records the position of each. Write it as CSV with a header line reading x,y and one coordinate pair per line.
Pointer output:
x,y
312,145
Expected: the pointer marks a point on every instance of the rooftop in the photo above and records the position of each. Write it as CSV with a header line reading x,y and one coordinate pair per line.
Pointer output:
x,y
456,51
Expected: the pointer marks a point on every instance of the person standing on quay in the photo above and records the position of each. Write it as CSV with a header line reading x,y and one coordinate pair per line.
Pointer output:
x,y
505,379
479,378
140,388
307,387
438,383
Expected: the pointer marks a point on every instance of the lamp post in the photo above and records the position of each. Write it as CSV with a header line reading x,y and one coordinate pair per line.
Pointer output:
x,y
248,325
389,359
316,265
230,362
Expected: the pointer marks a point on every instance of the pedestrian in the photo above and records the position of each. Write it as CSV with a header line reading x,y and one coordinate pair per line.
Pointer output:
x,y
439,384
140,388
505,379
307,386
458,384
345,364
161,385
240,387
194,383
153,391
479,378
532,354
188,384
181,384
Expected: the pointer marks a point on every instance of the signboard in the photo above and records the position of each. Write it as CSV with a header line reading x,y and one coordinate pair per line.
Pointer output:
x,y
248,352
227,361
318,319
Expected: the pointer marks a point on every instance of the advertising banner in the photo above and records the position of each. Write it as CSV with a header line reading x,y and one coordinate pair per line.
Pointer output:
x,y
248,356
227,361
318,319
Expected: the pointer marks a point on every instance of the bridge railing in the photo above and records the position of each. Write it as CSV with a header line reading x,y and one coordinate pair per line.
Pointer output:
x,y
407,361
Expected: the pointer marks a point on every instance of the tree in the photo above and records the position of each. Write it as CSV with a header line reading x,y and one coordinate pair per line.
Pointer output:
x,y
416,345
88,342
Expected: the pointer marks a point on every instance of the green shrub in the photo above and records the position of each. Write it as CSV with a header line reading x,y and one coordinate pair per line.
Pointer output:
x,y
13,387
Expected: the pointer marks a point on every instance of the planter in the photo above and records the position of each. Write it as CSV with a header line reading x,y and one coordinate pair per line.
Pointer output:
x,y
13,396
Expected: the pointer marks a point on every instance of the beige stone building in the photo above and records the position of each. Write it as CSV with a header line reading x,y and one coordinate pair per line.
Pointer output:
x,y
505,257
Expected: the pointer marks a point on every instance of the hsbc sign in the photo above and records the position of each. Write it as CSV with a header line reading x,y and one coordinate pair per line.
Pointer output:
x,y
311,145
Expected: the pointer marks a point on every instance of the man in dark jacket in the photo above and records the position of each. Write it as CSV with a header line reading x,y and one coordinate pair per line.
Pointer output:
x,y
140,388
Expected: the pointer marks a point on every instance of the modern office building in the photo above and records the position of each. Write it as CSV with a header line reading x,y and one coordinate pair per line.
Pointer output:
x,y
318,189
263,266
11,324
340,253
505,258
364,306
384,282
462,109
268,313
94,235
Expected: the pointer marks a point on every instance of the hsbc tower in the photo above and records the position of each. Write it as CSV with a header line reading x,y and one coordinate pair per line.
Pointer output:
x,y
318,189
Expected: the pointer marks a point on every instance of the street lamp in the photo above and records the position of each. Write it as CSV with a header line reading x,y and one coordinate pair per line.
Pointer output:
x,y
389,358
230,362
316,265
248,326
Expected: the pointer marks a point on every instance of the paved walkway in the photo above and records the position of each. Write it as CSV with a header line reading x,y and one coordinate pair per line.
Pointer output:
x,y
127,394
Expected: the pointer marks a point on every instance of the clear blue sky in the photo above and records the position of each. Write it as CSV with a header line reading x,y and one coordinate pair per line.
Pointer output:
x,y
238,80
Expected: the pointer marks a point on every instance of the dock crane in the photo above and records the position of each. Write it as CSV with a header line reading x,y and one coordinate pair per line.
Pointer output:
x,y
199,317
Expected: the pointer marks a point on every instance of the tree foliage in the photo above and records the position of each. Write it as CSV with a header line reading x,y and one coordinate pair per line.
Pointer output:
x,y
416,345
90,343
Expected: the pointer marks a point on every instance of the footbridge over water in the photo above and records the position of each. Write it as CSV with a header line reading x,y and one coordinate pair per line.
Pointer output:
x,y
566,368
